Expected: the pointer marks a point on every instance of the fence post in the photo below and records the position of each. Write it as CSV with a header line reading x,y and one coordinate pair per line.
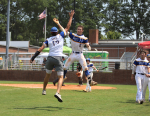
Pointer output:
x,y
126,63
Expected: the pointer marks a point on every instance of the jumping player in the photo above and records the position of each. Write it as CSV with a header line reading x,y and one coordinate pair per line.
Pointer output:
x,y
55,44
139,66
77,42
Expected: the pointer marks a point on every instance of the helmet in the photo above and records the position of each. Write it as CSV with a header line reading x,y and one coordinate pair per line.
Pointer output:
x,y
54,29
88,59
148,55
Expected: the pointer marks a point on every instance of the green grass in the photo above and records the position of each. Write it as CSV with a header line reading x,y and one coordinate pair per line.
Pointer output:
x,y
15,101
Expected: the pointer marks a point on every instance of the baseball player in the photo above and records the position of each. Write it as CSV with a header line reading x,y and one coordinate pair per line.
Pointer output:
x,y
139,66
80,74
55,43
90,69
77,43
146,80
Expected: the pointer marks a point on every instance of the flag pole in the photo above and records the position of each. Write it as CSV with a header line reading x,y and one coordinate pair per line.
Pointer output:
x,y
45,22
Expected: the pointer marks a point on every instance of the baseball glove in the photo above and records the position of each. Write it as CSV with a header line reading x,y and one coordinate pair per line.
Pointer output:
x,y
78,74
93,83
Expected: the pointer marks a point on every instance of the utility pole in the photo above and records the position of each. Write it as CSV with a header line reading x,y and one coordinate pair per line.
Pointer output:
x,y
7,34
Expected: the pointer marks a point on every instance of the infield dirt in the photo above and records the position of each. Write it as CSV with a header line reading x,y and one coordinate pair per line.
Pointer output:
x,y
51,86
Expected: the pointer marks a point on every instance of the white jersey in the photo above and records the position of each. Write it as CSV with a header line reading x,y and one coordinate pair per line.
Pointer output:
x,y
55,44
90,67
141,65
77,42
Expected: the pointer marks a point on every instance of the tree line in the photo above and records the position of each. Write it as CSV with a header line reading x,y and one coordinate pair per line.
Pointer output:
x,y
117,17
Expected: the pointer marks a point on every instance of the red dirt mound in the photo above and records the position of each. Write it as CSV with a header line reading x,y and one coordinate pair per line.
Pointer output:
x,y
50,86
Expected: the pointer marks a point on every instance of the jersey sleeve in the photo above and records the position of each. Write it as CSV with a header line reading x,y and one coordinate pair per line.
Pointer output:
x,y
62,34
85,41
70,35
46,43
91,65
135,63
148,65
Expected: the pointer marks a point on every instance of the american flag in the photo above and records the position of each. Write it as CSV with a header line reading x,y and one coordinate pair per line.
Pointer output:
x,y
44,28
42,15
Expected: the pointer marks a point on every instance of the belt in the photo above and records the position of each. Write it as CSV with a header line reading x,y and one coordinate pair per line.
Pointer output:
x,y
77,52
141,73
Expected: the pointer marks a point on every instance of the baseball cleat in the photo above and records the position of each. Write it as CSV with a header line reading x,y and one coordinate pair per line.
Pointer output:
x,y
54,83
58,96
44,92
85,90
141,101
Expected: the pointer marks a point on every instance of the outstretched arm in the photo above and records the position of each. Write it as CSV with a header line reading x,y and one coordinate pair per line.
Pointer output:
x,y
37,53
60,27
70,20
95,68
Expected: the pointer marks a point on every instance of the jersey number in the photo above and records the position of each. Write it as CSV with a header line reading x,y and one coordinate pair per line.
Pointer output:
x,y
55,42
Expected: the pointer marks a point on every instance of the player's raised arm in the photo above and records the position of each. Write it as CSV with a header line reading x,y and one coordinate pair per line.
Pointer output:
x,y
59,25
70,20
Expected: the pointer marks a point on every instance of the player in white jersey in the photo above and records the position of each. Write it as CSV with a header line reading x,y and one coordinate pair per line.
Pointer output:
x,y
77,43
55,43
139,66
90,67
146,80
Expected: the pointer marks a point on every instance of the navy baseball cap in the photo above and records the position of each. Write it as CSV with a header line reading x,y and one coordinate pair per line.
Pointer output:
x,y
88,59
54,29
148,55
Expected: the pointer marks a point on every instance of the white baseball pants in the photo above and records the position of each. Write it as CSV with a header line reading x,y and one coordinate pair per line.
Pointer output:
x,y
145,84
76,57
139,82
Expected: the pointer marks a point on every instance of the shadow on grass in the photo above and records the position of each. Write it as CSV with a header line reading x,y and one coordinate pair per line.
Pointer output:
x,y
133,101
78,91
48,108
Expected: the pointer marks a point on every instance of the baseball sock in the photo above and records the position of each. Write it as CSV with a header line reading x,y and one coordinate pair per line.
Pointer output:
x,y
56,80
65,71
89,79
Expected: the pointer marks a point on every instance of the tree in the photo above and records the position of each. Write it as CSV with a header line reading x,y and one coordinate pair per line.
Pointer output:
x,y
113,35
127,16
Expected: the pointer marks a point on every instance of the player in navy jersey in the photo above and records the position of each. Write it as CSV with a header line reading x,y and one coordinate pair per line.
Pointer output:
x,y
139,67
77,43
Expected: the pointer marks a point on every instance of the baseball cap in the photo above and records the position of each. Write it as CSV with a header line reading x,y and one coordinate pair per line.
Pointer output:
x,y
54,29
88,59
148,55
